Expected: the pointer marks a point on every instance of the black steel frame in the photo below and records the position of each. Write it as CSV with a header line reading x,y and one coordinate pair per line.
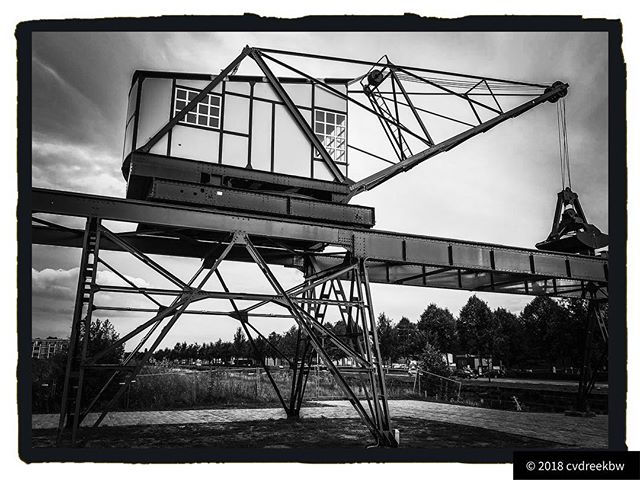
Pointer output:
x,y
185,229
393,257
306,303
588,371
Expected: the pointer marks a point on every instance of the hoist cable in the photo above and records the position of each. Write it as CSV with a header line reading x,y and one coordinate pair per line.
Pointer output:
x,y
468,84
566,142
563,144
560,143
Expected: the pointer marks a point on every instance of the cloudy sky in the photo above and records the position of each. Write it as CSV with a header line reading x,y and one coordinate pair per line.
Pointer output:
x,y
499,187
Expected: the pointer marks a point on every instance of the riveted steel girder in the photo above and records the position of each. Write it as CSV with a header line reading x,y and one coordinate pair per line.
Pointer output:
x,y
393,258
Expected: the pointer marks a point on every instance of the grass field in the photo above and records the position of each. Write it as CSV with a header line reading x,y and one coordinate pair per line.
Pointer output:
x,y
162,388
159,388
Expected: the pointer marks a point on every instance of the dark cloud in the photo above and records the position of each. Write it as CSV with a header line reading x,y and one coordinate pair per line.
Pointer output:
x,y
62,165
79,79
61,283
54,292
57,284
62,110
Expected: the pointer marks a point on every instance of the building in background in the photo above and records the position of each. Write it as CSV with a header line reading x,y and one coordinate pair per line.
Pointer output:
x,y
476,363
44,348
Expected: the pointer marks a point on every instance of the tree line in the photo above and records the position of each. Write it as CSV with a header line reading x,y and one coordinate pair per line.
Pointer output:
x,y
548,332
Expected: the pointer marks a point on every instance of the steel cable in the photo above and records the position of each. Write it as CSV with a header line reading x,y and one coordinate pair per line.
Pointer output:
x,y
563,143
469,84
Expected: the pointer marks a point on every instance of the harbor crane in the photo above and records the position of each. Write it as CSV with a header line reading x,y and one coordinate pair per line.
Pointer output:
x,y
256,169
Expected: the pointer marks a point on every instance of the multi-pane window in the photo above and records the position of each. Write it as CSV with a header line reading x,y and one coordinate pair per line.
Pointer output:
x,y
331,129
205,114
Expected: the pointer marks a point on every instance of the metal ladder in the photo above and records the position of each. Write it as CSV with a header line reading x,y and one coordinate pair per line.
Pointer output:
x,y
79,339
372,347
602,324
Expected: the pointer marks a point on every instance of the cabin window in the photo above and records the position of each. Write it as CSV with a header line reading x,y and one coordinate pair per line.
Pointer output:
x,y
331,130
205,114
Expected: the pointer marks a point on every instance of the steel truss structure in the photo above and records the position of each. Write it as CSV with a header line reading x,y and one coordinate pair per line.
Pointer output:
x,y
387,105
306,303
589,371
339,281
295,232
397,109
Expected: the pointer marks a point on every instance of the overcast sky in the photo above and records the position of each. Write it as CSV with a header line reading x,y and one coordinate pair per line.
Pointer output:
x,y
499,187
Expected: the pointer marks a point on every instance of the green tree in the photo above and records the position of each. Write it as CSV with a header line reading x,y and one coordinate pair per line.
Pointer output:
x,y
438,328
388,339
217,350
431,360
225,351
181,351
239,344
510,338
476,328
287,342
544,320
102,334
571,333
555,332
579,311
339,329
261,349
275,339
47,376
410,342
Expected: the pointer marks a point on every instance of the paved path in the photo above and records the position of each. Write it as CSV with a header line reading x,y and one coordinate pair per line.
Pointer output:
x,y
555,427
571,384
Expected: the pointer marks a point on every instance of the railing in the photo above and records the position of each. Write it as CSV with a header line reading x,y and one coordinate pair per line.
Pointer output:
x,y
438,386
161,387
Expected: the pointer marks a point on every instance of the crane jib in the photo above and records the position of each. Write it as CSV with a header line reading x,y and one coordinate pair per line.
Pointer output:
x,y
552,94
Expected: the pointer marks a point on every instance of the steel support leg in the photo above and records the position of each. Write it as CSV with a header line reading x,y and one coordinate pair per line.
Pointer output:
x,y
154,322
80,330
587,372
378,422
304,350
180,304
307,304
381,394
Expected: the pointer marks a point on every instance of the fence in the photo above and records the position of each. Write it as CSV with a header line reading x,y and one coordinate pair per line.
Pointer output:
x,y
436,386
169,387
183,388
160,387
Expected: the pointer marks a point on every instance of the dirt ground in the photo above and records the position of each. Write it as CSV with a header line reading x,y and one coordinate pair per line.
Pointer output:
x,y
302,433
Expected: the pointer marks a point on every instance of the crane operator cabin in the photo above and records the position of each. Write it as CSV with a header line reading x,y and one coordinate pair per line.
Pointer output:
x,y
240,138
